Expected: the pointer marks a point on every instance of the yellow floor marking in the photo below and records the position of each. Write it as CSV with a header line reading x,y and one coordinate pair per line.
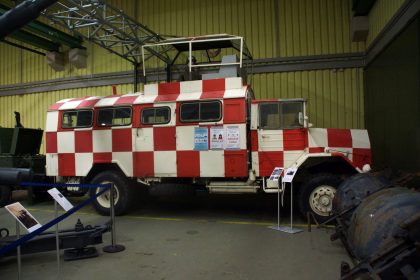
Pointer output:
x,y
193,220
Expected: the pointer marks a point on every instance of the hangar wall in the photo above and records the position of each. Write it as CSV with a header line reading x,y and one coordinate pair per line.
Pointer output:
x,y
393,102
272,28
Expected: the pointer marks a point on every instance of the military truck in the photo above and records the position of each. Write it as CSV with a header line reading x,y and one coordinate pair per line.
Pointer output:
x,y
20,160
206,130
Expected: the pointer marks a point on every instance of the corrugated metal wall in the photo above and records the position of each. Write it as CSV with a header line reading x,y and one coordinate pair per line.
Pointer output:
x,y
271,28
295,28
335,97
33,107
381,13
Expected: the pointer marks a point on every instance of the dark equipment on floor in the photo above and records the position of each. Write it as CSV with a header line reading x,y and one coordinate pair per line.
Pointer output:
x,y
75,241
20,160
379,224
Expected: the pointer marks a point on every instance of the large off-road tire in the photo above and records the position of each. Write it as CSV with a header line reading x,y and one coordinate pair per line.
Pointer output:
x,y
316,195
124,193
5,195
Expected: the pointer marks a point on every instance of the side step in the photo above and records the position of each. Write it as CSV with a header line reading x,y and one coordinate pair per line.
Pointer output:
x,y
232,187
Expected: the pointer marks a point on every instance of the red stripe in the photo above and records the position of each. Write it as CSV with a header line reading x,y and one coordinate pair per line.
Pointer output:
x,y
126,100
254,140
361,157
55,107
214,85
121,140
143,164
88,103
83,141
234,111
168,92
51,142
295,139
188,163
236,163
268,161
102,157
164,138
66,165
213,89
315,150
339,138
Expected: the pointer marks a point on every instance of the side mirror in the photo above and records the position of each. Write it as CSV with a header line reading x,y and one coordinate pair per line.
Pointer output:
x,y
301,119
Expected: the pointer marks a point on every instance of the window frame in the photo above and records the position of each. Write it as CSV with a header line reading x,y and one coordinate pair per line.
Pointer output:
x,y
199,111
155,108
113,115
280,110
77,113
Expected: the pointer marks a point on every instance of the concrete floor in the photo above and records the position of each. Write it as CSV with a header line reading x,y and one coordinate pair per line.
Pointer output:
x,y
217,237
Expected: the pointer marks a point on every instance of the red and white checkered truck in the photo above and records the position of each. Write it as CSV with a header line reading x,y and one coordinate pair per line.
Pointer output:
x,y
209,132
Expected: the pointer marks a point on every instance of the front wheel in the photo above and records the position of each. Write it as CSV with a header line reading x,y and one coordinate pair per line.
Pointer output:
x,y
316,195
123,193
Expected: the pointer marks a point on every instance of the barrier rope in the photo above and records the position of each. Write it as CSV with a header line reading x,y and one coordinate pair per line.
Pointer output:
x,y
29,236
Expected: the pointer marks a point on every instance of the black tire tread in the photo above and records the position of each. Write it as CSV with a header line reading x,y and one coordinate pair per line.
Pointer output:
x,y
309,185
125,188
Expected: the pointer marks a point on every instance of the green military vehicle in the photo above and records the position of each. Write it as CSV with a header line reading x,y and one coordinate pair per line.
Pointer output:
x,y
20,160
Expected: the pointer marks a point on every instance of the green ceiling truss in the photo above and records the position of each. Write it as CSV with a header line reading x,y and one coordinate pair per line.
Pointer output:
x,y
43,36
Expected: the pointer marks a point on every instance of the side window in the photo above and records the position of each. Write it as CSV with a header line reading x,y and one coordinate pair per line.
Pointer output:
x,y
201,111
74,119
281,115
292,114
270,116
114,116
156,115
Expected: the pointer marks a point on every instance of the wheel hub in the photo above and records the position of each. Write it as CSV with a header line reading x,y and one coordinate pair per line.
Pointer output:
x,y
321,199
104,199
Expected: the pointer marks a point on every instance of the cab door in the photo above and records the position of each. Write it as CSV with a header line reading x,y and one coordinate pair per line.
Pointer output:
x,y
155,141
270,133
281,134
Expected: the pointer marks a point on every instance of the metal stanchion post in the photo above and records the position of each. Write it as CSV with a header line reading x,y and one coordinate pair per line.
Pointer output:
x,y
291,206
57,241
113,248
278,207
19,261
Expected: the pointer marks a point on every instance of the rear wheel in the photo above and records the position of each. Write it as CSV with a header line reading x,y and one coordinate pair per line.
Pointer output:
x,y
316,195
5,195
123,193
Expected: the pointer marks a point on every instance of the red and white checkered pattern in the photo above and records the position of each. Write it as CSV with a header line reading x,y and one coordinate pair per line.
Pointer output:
x,y
290,147
167,150
150,150
165,92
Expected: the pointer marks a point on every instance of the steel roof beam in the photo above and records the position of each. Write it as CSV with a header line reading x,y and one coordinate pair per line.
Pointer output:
x,y
34,40
21,15
106,26
49,32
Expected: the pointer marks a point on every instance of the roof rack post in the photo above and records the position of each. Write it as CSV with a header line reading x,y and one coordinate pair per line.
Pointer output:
x,y
240,53
190,59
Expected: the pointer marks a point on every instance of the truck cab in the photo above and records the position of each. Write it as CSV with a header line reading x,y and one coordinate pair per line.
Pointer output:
x,y
201,128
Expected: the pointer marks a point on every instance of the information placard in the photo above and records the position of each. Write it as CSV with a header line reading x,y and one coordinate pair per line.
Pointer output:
x,y
201,141
275,175
217,140
23,216
289,174
233,138
61,199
